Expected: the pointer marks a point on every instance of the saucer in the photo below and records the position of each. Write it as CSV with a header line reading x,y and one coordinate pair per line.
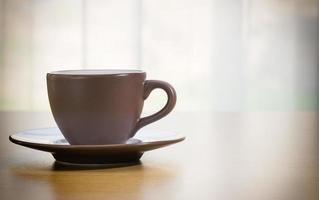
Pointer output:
x,y
51,140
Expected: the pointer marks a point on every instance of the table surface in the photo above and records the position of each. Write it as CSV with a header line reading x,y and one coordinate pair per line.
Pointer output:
x,y
256,155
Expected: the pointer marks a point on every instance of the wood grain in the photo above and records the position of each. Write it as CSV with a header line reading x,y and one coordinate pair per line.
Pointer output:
x,y
270,155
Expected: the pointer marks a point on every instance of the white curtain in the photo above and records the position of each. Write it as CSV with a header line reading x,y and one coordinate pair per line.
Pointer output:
x,y
219,54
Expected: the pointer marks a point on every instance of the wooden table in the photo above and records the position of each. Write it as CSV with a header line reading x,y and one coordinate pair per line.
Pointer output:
x,y
269,155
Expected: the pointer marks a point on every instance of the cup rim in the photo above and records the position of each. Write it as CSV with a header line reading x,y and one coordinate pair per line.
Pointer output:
x,y
96,72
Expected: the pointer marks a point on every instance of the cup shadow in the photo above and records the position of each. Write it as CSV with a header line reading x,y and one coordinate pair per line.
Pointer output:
x,y
61,166
121,181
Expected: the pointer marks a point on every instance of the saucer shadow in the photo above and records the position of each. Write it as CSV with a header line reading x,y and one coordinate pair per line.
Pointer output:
x,y
124,181
63,166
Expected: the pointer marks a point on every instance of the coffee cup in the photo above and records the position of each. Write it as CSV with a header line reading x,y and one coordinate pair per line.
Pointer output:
x,y
98,107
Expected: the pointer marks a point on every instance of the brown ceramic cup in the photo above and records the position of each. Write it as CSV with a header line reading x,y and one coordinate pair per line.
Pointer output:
x,y
95,107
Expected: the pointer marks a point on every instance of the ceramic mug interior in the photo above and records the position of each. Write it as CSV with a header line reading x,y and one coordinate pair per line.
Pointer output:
x,y
97,72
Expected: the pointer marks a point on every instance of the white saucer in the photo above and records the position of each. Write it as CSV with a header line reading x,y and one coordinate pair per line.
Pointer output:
x,y
51,140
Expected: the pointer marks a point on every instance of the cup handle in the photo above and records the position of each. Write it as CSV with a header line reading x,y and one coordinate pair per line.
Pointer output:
x,y
149,86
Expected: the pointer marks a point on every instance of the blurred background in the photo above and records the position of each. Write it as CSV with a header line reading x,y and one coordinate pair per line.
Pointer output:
x,y
222,55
